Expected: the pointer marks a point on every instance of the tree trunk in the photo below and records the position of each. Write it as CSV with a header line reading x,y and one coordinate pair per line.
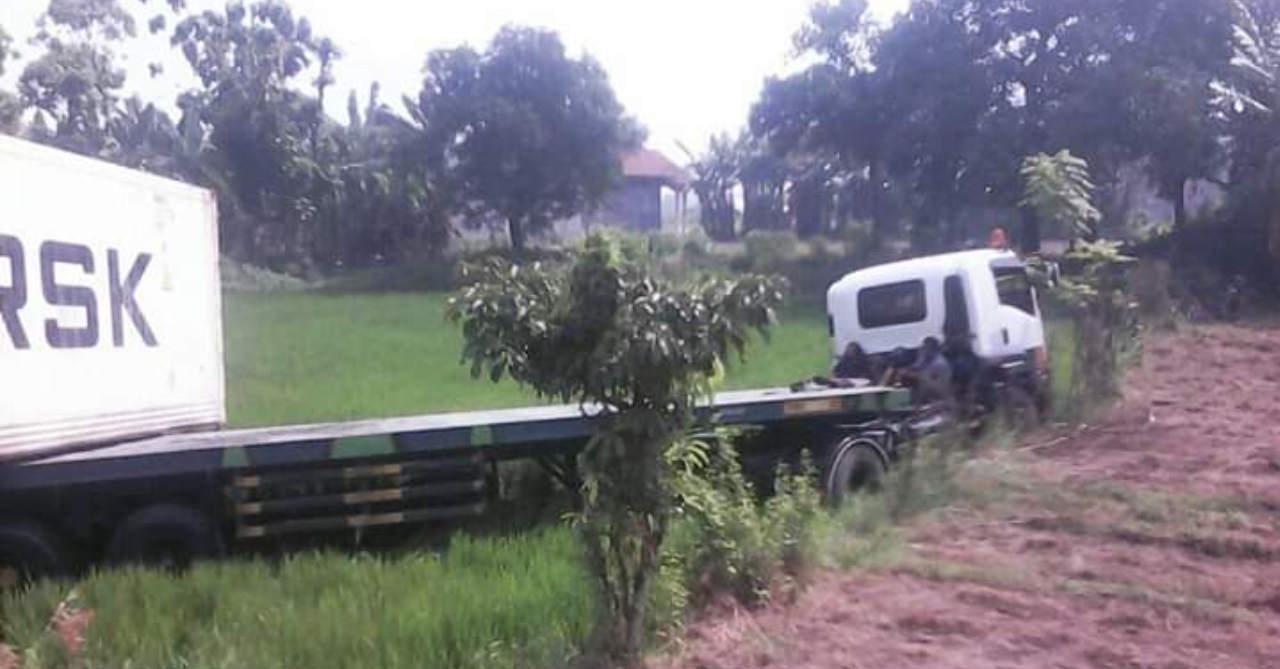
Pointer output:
x,y
1029,241
875,197
519,236
1180,205
808,204
1274,245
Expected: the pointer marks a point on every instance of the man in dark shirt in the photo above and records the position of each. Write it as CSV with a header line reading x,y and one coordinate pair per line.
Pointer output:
x,y
930,376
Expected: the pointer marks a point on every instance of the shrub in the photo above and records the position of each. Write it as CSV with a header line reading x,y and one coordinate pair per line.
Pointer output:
x,y
697,246
1106,331
245,278
769,250
664,244
856,238
724,539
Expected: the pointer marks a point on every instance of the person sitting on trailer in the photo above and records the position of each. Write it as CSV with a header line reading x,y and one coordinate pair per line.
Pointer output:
x,y
854,368
930,375
854,364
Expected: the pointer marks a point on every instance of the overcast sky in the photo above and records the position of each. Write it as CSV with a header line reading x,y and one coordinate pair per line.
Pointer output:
x,y
684,68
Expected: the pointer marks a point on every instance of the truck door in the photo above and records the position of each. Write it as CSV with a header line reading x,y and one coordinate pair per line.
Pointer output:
x,y
956,326
1020,327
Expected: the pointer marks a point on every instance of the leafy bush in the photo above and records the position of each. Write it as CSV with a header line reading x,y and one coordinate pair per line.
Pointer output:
x,y
724,539
244,278
697,246
1105,332
1096,289
769,250
1059,190
857,238
664,244
429,275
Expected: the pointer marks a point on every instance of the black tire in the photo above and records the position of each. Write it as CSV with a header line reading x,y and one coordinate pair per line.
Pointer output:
x,y
1019,410
28,551
165,535
854,466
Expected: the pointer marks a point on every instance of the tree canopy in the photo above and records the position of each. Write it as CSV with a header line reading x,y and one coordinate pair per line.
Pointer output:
x,y
929,116
531,134
521,132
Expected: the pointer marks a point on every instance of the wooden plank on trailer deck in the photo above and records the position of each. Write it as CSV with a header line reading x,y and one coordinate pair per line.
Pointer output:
x,y
397,494
329,523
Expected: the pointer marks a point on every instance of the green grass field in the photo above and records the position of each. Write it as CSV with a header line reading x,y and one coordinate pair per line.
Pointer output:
x,y
303,357
490,602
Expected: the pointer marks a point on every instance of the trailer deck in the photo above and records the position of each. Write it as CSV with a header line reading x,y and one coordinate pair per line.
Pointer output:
x,y
501,433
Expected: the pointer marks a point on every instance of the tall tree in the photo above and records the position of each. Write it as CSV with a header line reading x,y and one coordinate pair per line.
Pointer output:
x,y
1181,47
385,206
716,179
529,134
6,48
834,114
10,104
1248,100
74,84
763,176
932,60
267,133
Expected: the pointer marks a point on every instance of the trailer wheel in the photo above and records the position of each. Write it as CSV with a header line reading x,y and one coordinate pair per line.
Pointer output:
x,y
854,466
164,535
28,550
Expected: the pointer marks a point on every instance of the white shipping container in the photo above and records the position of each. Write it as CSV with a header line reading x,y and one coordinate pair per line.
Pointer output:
x,y
110,303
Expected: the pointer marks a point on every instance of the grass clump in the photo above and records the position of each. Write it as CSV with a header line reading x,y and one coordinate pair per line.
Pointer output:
x,y
488,602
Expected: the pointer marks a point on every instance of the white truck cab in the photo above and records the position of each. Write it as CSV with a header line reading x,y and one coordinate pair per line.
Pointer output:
x,y
978,301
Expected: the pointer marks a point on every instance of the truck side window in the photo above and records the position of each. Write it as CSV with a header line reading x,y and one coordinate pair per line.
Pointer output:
x,y
1015,289
891,304
956,326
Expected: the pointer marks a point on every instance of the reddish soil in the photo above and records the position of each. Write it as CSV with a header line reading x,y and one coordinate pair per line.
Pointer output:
x,y
1160,548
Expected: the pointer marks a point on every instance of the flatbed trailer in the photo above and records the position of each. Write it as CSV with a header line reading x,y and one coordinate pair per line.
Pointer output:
x,y
185,496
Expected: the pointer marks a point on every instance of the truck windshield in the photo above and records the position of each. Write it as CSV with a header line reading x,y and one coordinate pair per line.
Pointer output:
x,y
1015,288
891,304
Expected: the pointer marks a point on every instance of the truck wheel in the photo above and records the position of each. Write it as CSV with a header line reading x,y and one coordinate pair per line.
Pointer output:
x,y
28,551
164,535
854,466
1019,410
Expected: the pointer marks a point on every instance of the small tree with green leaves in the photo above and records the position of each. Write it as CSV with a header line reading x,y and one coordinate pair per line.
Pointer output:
x,y
1096,289
1060,192
602,332
1095,283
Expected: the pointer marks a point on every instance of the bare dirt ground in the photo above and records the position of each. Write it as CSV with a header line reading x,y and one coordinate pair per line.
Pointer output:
x,y
1148,541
